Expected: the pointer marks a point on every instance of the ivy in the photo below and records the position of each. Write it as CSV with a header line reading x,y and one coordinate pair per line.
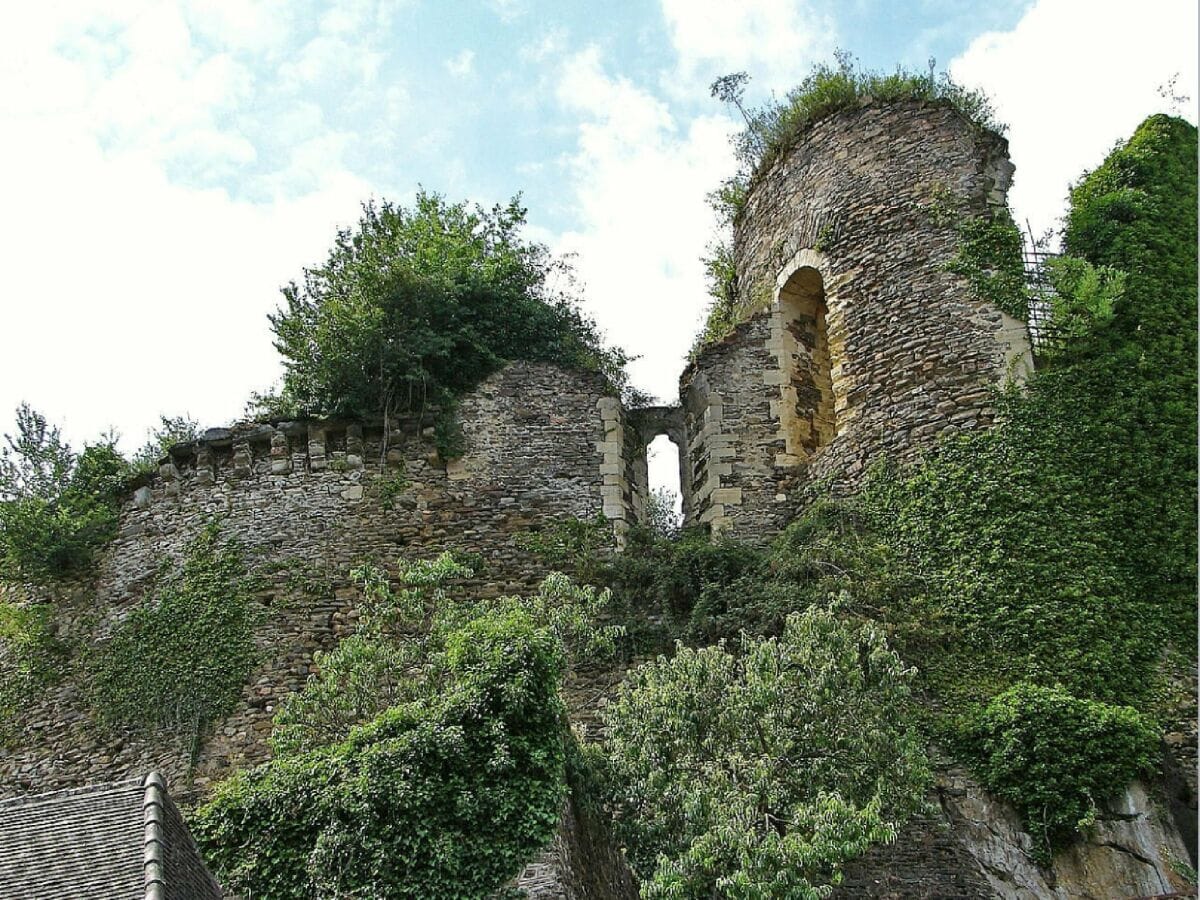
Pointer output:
x,y
443,796
1057,757
988,256
180,659
31,656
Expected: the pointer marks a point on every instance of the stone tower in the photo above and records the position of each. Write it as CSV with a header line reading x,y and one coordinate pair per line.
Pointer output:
x,y
858,341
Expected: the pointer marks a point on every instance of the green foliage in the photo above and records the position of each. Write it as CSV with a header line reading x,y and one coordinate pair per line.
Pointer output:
x,y
171,430
30,655
396,654
378,667
673,578
1057,757
56,507
1083,300
388,488
661,516
180,659
759,774
1060,546
827,554
989,257
445,796
413,307
581,547
723,311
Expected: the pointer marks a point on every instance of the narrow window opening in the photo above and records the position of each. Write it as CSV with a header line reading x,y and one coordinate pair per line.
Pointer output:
x,y
664,505
806,396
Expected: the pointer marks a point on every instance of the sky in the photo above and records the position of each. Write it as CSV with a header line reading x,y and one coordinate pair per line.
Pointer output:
x,y
167,165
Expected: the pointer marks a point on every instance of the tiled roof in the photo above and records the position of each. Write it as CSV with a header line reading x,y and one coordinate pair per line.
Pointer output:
x,y
123,841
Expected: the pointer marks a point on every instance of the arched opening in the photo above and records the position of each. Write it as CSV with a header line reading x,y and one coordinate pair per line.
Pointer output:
x,y
664,502
806,406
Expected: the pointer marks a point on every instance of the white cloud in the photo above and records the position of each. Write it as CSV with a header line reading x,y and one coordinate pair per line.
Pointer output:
x,y
461,64
775,41
1071,80
508,10
551,42
127,294
639,179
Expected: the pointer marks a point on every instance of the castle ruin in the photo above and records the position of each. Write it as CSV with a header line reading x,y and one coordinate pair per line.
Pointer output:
x,y
858,344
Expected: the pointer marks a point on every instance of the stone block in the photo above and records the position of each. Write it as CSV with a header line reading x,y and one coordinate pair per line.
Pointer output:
x,y
354,492
731,495
613,510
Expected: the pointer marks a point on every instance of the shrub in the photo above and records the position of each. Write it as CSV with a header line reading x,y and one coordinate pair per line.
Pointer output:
x,y
30,656
760,774
171,430
445,796
1057,757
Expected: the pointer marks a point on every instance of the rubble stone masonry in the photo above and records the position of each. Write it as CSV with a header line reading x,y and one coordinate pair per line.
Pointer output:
x,y
857,343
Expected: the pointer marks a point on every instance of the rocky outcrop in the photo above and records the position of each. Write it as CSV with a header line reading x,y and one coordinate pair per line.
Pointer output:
x,y
1132,852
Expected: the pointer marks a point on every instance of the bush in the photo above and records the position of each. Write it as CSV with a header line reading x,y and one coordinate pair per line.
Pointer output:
x,y
171,430
760,774
181,658
446,796
1056,757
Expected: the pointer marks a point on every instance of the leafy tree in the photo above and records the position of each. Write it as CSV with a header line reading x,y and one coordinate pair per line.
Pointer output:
x,y
171,430
759,774
661,515
443,796
413,307
56,507
395,655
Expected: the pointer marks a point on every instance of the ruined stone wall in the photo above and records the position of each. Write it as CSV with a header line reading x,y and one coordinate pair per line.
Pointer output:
x,y
307,501
906,349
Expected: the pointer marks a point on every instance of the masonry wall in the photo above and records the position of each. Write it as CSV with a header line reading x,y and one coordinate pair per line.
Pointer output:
x,y
912,354
307,501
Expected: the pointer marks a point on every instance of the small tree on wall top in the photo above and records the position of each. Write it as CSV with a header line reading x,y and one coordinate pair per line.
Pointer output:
x,y
415,306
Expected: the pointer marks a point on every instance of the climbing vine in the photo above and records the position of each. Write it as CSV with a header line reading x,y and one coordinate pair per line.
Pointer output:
x,y
435,731
180,659
988,256
31,656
